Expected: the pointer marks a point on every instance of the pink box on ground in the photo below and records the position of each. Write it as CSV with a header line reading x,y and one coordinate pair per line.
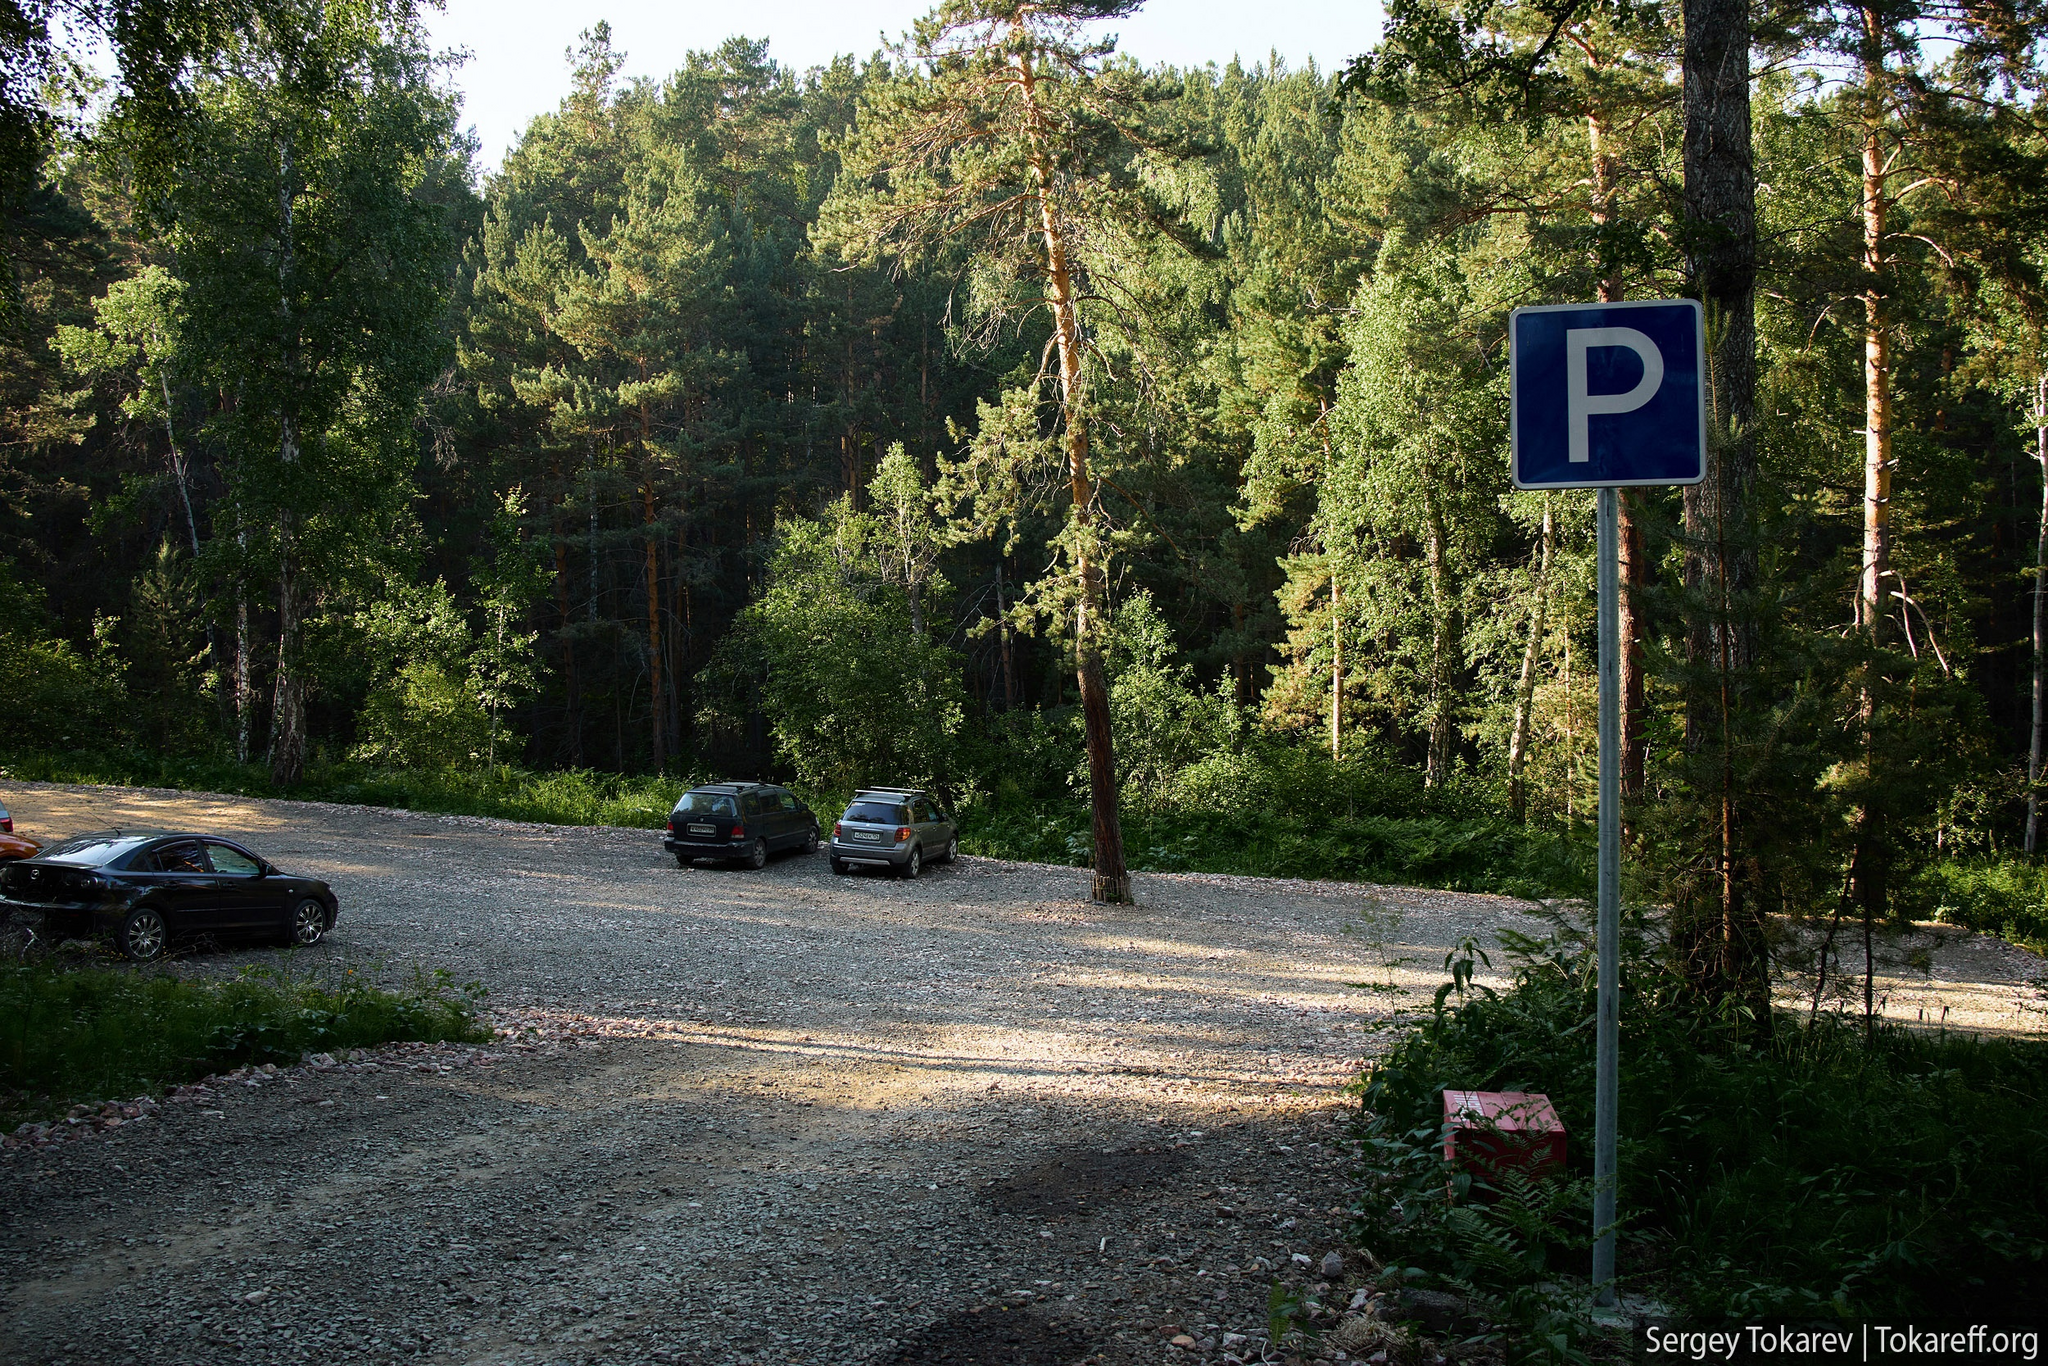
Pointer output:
x,y
1489,1130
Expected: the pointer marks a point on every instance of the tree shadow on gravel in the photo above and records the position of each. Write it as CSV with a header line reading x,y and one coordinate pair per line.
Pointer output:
x,y
991,1337
1082,1179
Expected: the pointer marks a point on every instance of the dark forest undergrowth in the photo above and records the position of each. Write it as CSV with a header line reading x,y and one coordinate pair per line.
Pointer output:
x,y
1809,1173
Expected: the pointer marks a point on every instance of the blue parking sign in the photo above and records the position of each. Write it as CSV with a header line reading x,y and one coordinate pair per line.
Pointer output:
x,y
1608,395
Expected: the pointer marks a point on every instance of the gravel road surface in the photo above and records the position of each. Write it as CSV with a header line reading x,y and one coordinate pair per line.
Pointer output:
x,y
759,1117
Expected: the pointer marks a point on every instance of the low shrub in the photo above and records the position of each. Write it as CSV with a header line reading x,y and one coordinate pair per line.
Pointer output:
x,y
1808,1173
2007,897
562,797
82,1034
1472,855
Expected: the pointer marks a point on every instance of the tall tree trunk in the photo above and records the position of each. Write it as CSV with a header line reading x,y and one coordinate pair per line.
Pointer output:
x,y
657,699
1628,528
1720,563
1004,643
1112,878
2040,617
1525,687
1446,647
1873,865
1336,668
572,698
245,694
288,701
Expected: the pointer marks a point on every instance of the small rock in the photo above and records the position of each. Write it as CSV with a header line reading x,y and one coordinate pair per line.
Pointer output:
x,y
1360,1298
1333,1265
1181,1340
1302,1259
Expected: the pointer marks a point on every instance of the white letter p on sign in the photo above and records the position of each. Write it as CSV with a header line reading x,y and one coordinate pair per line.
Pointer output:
x,y
1580,405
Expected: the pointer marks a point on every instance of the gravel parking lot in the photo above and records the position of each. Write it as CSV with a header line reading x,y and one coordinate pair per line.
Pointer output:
x,y
759,1117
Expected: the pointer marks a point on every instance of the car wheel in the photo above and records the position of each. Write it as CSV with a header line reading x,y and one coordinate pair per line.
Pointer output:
x,y
143,935
841,868
811,841
952,850
682,860
913,865
308,923
757,857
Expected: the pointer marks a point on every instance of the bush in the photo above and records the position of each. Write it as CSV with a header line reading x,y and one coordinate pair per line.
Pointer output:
x,y
1812,1174
562,797
70,1035
2005,897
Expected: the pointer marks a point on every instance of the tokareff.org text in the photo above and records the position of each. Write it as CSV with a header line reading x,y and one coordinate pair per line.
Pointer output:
x,y
1863,1343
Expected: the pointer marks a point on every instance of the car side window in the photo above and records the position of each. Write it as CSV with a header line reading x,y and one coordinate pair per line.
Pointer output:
x,y
750,805
183,857
231,862
790,803
924,810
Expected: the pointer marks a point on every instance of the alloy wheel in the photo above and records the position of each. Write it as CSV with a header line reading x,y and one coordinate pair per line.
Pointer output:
x,y
309,922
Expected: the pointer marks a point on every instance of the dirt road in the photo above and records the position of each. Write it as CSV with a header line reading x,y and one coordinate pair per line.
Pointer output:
x,y
775,1116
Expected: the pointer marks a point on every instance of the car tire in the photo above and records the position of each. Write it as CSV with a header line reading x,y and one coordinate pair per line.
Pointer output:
x,y
811,841
682,860
952,850
913,865
308,924
757,857
843,869
143,936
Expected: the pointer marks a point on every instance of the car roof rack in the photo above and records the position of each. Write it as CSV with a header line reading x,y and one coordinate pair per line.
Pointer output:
x,y
888,792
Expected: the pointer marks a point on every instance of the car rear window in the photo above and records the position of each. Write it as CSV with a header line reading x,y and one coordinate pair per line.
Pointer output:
x,y
95,851
706,804
878,813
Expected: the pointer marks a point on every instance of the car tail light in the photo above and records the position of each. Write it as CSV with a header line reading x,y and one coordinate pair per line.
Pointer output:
x,y
7,824
902,833
671,827
739,832
837,830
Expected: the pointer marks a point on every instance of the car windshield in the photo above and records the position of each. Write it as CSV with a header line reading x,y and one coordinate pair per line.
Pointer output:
x,y
706,804
95,851
879,813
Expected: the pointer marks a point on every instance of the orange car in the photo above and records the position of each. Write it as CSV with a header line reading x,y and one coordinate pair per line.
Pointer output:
x,y
13,846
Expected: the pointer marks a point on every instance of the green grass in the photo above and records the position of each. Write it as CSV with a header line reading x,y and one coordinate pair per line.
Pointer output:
x,y
565,797
1469,854
71,1035
1811,1174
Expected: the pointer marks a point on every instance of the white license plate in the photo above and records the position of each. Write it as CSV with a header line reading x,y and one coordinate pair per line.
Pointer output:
x,y
867,836
703,829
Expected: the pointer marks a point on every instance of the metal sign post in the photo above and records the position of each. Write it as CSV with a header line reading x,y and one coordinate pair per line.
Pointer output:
x,y
1608,396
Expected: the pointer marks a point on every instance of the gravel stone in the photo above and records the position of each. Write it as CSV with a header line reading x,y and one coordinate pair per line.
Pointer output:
x,y
732,1118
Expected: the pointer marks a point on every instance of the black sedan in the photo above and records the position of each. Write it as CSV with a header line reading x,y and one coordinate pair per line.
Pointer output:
x,y
145,890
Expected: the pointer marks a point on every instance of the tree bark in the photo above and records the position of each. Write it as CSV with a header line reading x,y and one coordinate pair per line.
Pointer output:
x,y
657,699
1336,669
1112,878
288,700
2040,617
1525,687
1872,870
1446,648
1720,562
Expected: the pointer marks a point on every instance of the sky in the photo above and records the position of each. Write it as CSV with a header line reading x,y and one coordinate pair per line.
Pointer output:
x,y
518,65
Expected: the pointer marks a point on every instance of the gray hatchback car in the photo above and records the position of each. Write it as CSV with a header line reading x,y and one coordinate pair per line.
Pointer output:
x,y
898,828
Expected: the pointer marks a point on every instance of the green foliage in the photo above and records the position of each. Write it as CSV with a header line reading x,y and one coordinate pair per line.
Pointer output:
x,y
853,693
2005,897
1802,1173
556,797
83,1034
